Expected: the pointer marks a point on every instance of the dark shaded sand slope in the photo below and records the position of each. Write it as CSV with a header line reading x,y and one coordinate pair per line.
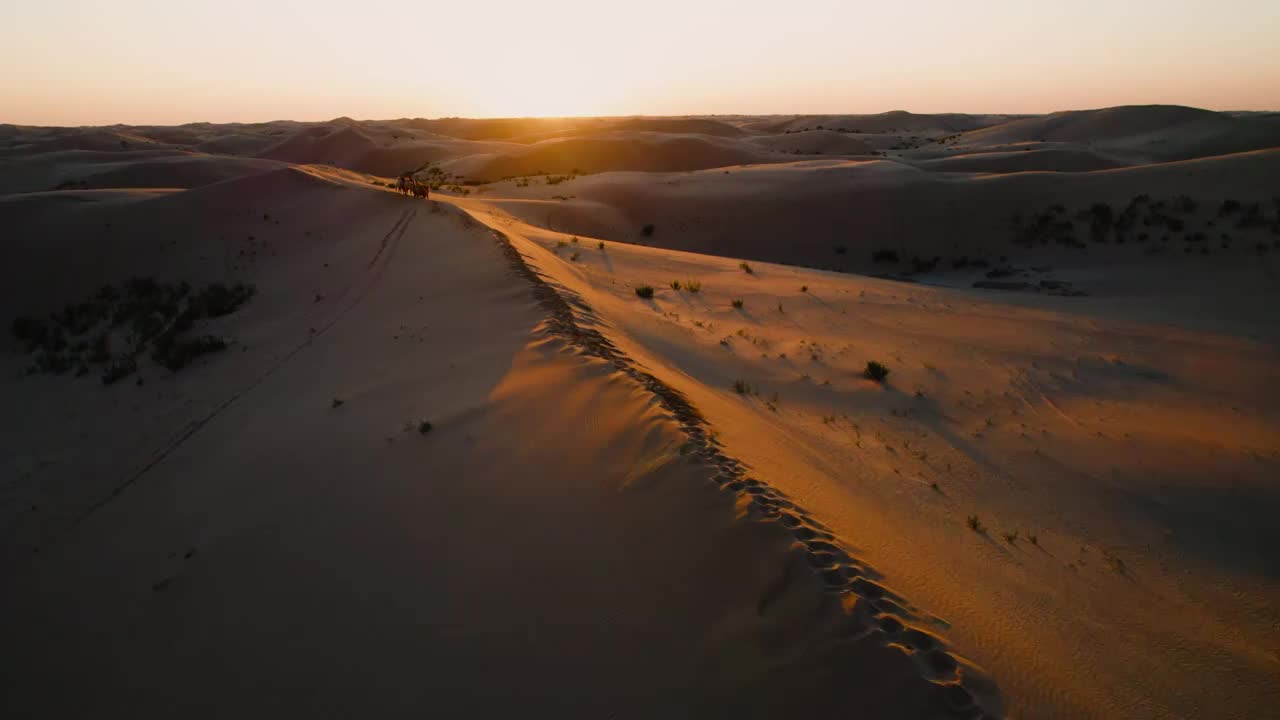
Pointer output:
x,y
282,539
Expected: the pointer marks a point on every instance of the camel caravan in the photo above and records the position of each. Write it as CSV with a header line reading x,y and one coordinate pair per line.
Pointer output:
x,y
409,185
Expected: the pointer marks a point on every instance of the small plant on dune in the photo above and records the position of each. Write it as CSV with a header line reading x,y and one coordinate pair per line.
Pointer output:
x,y
974,523
876,371
644,291
741,387
647,230
746,268
693,286
30,331
574,257
601,245
804,288
217,299
1010,537
675,285
1114,562
177,354
337,403
737,303
561,244
424,427
1033,539
120,369
573,240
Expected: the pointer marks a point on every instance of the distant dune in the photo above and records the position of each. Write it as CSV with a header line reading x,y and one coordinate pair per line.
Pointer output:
x,y
1068,159
1155,132
888,122
811,142
647,151
834,214
236,144
322,145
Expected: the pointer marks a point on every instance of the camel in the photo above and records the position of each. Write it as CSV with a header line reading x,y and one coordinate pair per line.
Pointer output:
x,y
408,185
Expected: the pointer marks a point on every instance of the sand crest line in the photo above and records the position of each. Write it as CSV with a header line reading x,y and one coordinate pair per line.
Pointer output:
x,y
840,572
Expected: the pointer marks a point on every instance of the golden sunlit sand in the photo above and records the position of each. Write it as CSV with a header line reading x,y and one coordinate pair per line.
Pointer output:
x,y
597,431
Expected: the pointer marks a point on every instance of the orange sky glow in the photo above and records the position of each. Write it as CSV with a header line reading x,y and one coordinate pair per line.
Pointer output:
x,y
146,61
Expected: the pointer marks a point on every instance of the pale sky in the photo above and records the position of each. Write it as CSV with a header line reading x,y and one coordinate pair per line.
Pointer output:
x,y
64,62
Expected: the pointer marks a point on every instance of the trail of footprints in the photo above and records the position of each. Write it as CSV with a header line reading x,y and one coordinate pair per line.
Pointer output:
x,y
876,608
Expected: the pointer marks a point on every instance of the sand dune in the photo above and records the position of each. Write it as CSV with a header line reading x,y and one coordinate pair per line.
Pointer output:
x,y
888,122
144,169
1101,443
381,150
660,152
1066,159
1153,132
499,128
236,514
322,144
815,142
455,455
44,140
834,214
236,144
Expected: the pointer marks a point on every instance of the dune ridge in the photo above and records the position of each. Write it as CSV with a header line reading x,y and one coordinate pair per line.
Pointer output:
x,y
877,610
865,458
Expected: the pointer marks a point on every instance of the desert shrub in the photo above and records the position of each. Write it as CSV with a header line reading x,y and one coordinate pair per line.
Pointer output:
x,y
693,286
119,369
742,387
885,255
921,265
644,291
217,299
1010,537
30,331
675,285
601,245
53,362
142,286
155,314
737,303
178,354
424,427
746,268
974,523
574,256
647,230
804,288
876,371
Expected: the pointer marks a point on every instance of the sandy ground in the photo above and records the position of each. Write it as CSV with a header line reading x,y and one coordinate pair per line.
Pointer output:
x,y
230,542
1140,456
1059,503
